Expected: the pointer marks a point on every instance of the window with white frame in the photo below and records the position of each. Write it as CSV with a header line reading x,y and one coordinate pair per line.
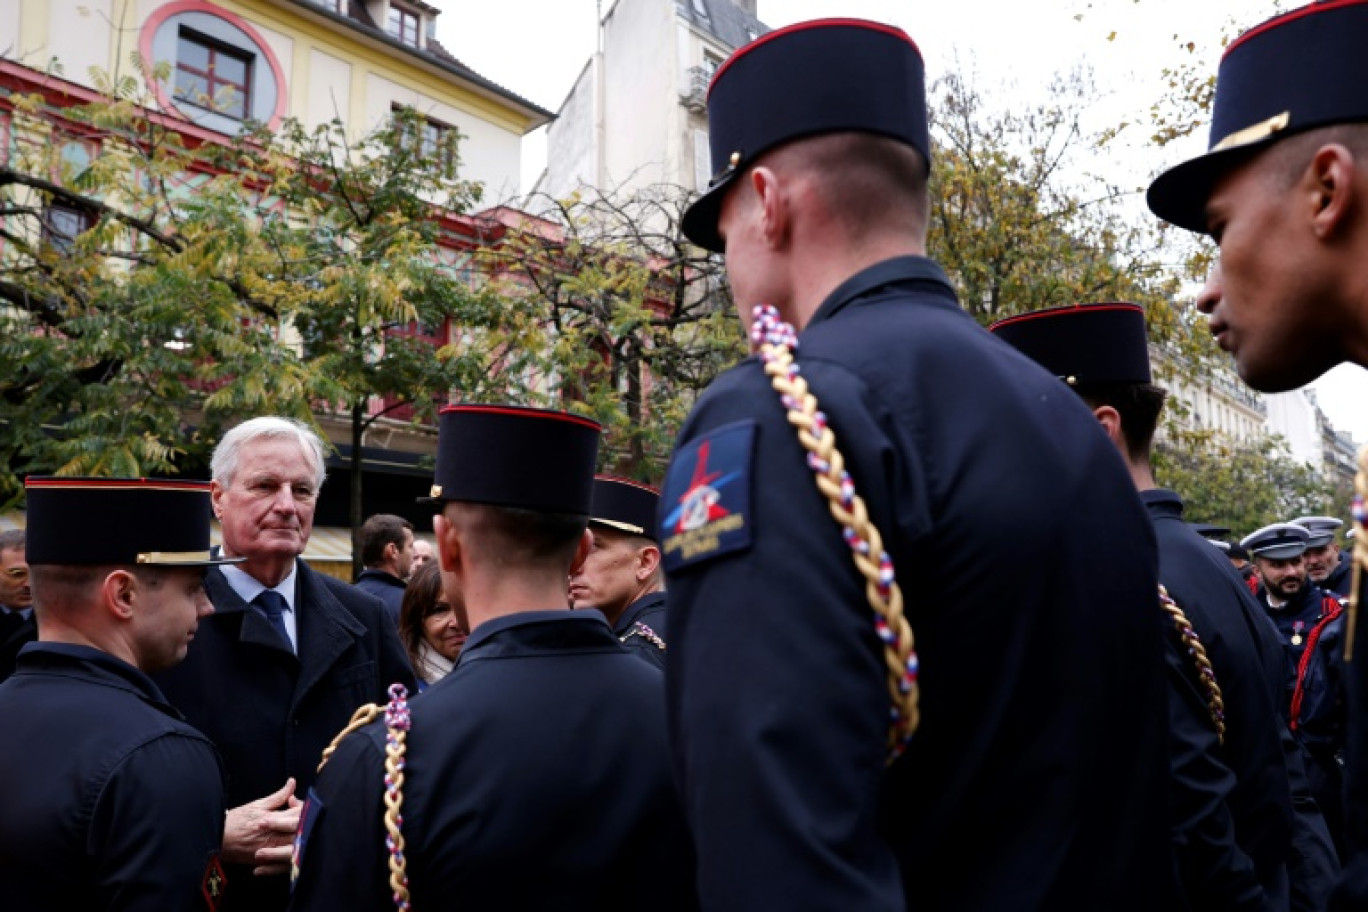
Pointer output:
x,y
403,24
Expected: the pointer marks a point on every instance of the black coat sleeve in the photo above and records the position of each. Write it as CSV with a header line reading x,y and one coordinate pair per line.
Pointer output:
x,y
157,825
341,853
1214,871
780,767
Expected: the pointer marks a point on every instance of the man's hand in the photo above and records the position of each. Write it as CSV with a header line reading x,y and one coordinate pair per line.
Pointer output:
x,y
262,831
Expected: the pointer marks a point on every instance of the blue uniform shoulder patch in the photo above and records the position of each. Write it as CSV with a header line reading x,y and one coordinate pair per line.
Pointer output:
x,y
705,506
308,816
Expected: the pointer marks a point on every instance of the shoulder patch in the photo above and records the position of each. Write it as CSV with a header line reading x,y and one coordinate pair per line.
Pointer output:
x,y
705,505
308,816
213,883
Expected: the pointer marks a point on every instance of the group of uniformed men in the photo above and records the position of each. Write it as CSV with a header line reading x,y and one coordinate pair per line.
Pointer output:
x,y
858,711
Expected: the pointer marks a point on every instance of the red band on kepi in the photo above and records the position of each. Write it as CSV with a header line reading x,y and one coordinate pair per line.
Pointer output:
x,y
506,455
1083,344
93,521
1296,72
812,78
626,505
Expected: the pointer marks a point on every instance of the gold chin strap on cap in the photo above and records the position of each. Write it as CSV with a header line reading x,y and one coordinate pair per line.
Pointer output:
x,y
1255,133
396,735
775,341
1197,652
172,558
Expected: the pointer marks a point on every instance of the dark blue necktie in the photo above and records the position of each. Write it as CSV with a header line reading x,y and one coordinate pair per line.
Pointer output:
x,y
273,605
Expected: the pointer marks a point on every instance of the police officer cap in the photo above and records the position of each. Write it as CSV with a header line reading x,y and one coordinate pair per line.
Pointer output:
x,y
625,505
1083,344
1278,541
1298,71
823,76
1234,550
511,456
1322,529
1209,530
1219,545
157,522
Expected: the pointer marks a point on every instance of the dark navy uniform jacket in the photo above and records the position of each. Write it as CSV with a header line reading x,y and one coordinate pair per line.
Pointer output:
x,y
17,630
1039,776
271,713
108,800
640,625
537,777
1234,813
1318,717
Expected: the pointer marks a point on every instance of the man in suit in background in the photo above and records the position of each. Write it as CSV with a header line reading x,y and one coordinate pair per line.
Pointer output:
x,y
17,625
387,552
287,657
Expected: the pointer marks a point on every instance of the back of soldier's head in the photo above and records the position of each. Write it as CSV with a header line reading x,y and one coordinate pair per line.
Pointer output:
x,y
516,483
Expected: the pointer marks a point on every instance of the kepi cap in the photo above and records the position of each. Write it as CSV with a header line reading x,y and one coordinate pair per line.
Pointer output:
x,y
1298,71
1083,344
625,505
155,522
1278,541
811,78
512,456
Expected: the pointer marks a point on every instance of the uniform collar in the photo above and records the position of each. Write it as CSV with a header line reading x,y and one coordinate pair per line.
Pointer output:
x,y
633,611
558,628
90,664
899,270
1310,596
1162,502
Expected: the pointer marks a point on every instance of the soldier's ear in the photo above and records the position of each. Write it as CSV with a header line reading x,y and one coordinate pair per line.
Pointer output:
x,y
1332,180
648,561
118,593
772,196
1110,419
448,542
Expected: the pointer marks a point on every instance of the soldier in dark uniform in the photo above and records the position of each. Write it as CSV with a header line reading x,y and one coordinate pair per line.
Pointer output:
x,y
1234,820
1325,564
622,577
111,801
1283,190
536,773
1310,627
795,565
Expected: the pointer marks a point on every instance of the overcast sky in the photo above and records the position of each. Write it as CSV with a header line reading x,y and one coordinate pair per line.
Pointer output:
x,y
537,48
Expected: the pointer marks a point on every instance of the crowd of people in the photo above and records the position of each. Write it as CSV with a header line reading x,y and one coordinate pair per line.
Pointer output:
x,y
907,624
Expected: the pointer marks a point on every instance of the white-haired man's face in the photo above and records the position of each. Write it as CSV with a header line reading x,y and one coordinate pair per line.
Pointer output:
x,y
267,511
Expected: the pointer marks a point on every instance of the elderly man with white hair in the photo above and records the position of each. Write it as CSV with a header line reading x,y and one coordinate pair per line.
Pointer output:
x,y
286,658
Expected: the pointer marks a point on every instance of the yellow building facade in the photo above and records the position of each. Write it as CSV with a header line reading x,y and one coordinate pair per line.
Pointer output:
x,y
313,60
